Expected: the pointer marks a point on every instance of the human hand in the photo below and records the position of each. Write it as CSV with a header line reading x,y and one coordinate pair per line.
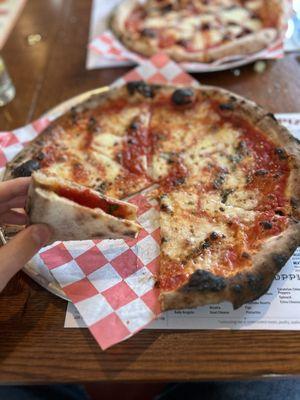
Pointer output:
x,y
19,250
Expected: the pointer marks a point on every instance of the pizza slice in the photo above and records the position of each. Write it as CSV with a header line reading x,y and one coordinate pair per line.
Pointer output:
x,y
212,252
75,212
102,143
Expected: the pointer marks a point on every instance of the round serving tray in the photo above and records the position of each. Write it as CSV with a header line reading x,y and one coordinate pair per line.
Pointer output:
x,y
35,268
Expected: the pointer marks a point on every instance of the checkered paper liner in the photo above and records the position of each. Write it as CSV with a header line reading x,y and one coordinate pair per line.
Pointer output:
x,y
111,282
112,52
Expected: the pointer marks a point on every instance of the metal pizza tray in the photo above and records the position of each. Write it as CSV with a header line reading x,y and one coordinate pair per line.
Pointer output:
x,y
35,268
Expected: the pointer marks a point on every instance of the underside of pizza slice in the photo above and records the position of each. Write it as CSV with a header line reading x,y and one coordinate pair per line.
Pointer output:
x,y
75,212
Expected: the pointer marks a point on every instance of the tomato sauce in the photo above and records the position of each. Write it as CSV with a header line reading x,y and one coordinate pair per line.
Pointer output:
x,y
265,156
166,41
175,178
88,199
135,151
171,274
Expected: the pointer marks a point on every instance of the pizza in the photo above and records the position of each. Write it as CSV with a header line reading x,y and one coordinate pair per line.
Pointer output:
x,y
198,30
225,174
76,212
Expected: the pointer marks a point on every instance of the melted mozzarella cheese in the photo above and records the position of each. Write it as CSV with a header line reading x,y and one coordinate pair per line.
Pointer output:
x,y
237,15
107,144
253,24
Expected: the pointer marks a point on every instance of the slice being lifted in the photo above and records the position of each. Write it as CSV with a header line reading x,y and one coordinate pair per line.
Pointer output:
x,y
75,212
226,174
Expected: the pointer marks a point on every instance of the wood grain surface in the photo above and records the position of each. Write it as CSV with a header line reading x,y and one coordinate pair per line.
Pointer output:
x,y
34,346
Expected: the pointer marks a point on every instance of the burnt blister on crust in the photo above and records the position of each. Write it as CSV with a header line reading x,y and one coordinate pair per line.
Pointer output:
x,y
295,203
26,169
226,106
148,32
266,224
204,281
272,116
255,283
281,153
141,87
279,260
183,96
237,288
74,115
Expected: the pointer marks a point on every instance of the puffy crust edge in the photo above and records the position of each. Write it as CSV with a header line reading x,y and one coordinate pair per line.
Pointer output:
x,y
206,288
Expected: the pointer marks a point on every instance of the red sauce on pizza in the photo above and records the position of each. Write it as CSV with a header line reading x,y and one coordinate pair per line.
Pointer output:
x,y
269,169
172,274
88,199
166,41
136,149
175,178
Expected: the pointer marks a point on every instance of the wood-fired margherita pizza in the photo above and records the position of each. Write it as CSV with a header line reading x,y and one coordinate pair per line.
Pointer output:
x,y
225,173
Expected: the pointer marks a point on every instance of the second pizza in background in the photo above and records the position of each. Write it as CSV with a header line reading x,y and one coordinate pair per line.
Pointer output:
x,y
198,30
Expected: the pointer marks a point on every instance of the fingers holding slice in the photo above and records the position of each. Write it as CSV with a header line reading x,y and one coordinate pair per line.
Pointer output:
x,y
12,189
18,251
14,218
17,202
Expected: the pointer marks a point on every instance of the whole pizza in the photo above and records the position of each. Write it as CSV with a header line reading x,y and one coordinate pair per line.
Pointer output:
x,y
198,30
224,171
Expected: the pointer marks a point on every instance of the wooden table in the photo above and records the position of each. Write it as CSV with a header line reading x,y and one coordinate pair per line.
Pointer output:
x,y
34,346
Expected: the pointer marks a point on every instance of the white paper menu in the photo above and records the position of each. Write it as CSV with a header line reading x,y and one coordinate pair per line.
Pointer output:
x,y
278,309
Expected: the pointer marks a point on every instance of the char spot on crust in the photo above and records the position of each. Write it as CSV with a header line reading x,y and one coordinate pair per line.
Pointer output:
x,y
246,255
214,235
281,153
204,281
237,288
266,224
74,115
140,87
271,115
294,202
26,169
129,233
183,96
148,32
261,172
226,107
254,282
279,260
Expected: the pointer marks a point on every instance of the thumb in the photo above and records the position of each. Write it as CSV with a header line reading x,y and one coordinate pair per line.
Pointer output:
x,y
18,251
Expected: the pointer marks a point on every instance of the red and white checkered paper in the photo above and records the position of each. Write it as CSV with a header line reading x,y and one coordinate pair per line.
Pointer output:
x,y
108,48
111,282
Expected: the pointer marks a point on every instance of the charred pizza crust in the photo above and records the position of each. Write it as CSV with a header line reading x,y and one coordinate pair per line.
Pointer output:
x,y
251,43
205,288
202,286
